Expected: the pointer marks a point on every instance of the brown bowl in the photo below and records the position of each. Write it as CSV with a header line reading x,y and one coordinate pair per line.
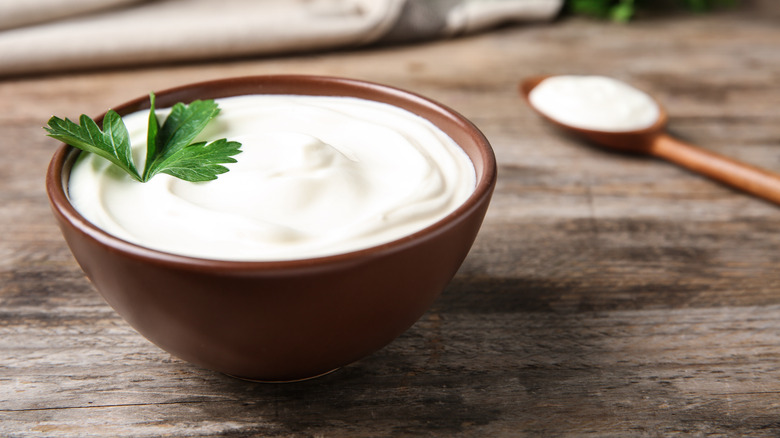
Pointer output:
x,y
285,320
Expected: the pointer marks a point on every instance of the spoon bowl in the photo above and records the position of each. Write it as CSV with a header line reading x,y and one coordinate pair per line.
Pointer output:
x,y
638,141
655,141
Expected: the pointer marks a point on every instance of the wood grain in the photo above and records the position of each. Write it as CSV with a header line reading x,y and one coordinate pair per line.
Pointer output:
x,y
607,294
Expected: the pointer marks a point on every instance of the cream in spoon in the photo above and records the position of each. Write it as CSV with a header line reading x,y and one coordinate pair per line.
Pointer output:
x,y
594,102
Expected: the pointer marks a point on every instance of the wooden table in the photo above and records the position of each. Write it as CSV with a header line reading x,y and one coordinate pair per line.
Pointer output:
x,y
607,295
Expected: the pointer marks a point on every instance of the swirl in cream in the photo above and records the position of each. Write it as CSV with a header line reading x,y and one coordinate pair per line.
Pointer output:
x,y
317,176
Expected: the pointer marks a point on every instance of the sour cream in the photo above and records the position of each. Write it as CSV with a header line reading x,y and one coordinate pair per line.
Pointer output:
x,y
594,102
317,176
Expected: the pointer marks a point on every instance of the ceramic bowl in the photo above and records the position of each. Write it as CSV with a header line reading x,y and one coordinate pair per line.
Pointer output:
x,y
286,320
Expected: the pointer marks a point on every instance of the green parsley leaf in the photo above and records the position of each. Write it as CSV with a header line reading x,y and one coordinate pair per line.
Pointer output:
x,y
180,128
112,143
169,147
200,161
624,10
152,131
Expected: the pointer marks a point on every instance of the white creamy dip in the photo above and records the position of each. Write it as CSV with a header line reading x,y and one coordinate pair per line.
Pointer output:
x,y
317,176
594,102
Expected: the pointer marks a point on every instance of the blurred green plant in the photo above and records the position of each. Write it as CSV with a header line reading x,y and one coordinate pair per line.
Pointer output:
x,y
624,10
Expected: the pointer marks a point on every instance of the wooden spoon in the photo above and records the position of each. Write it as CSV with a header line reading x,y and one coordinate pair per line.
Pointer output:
x,y
657,142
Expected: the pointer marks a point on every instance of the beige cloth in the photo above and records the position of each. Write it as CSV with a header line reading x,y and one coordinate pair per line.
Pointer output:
x,y
111,33
17,13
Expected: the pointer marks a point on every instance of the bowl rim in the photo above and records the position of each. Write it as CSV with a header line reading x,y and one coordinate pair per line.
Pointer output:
x,y
56,178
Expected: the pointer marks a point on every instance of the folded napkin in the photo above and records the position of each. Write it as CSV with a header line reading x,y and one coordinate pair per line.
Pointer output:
x,y
58,35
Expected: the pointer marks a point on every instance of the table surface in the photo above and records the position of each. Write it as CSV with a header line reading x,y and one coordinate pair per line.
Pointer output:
x,y
606,295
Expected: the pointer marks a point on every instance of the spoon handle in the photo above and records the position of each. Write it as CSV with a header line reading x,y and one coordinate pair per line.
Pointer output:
x,y
751,179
